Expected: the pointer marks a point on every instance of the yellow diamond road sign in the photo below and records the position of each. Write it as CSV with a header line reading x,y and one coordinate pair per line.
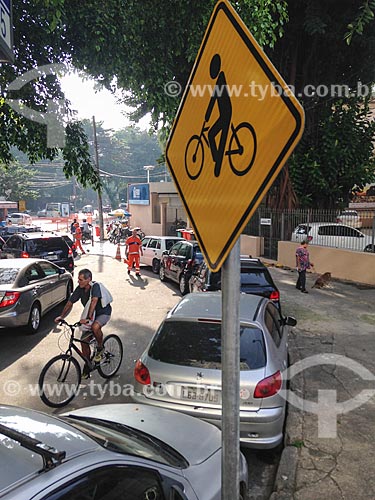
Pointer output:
x,y
236,126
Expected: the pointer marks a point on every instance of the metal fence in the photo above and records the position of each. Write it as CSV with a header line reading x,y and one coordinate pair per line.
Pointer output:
x,y
356,230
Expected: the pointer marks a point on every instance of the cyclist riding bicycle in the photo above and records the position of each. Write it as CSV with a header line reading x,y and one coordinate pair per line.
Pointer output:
x,y
97,312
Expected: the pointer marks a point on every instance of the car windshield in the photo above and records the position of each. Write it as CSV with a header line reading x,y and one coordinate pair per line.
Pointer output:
x,y
123,439
8,275
198,344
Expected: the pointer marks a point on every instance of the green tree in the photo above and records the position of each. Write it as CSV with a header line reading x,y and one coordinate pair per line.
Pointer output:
x,y
15,182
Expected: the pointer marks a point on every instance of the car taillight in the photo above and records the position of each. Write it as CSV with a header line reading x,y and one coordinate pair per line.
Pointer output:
x,y
141,373
73,247
275,295
269,386
9,299
24,255
70,251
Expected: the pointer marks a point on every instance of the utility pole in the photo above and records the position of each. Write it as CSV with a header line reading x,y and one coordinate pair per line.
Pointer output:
x,y
100,203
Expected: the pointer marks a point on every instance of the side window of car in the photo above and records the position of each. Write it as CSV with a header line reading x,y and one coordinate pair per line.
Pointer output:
x,y
33,273
14,242
153,243
113,483
48,269
273,325
301,230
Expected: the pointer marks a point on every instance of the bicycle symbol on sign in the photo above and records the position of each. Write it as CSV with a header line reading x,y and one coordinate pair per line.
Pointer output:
x,y
242,141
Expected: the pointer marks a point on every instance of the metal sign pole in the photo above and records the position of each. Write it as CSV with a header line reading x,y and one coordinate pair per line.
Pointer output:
x,y
230,352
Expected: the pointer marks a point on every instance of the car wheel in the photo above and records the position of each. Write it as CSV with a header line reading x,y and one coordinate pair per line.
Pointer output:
x,y
162,273
370,248
156,266
183,285
34,319
69,290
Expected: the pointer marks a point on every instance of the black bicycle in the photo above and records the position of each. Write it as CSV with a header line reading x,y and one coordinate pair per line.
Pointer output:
x,y
241,158
60,379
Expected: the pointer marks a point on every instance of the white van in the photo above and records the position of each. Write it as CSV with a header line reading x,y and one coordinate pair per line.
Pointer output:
x,y
330,234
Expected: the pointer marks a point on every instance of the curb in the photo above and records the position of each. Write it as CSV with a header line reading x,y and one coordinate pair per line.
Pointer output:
x,y
285,480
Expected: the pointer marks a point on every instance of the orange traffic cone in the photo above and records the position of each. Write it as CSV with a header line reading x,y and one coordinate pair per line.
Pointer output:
x,y
118,253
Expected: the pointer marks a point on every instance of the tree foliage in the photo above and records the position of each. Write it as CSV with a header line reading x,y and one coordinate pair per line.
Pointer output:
x,y
15,182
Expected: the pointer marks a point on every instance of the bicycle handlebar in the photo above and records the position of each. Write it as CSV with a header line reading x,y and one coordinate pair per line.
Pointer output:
x,y
74,325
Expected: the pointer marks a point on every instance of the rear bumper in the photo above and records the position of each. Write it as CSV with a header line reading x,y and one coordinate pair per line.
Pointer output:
x,y
261,428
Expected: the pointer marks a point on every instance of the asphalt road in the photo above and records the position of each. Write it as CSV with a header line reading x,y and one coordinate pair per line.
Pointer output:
x,y
138,308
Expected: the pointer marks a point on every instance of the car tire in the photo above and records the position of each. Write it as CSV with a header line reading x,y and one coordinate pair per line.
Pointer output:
x,y
34,319
184,285
156,266
162,273
370,249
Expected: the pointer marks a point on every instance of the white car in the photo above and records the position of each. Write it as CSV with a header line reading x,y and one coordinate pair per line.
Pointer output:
x,y
330,234
349,217
21,219
153,248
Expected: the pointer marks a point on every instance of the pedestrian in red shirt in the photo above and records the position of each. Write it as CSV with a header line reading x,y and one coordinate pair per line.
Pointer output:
x,y
133,251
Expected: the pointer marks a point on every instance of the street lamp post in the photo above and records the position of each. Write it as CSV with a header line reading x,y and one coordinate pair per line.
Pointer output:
x,y
148,168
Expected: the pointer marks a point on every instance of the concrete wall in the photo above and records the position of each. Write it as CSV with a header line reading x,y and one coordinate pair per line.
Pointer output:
x,y
342,264
251,245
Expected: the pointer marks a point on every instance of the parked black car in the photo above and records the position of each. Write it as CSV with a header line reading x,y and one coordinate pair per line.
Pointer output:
x,y
179,263
42,245
255,279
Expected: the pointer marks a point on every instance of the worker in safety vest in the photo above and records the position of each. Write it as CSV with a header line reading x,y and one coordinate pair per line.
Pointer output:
x,y
133,250
78,238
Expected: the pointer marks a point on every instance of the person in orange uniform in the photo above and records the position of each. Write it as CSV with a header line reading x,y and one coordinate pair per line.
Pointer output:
x,y
133,250
78,238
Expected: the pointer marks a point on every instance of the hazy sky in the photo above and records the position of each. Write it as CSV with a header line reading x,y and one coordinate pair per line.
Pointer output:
x,y
101,104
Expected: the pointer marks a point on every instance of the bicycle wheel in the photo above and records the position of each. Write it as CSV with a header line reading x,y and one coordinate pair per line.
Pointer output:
x,y
113,353
242,148
194,157
59,381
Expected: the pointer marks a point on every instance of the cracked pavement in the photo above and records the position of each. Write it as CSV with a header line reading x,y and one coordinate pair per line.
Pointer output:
x,y
338,320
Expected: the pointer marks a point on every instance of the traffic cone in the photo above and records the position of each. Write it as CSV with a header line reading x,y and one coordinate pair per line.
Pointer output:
x,y
118,253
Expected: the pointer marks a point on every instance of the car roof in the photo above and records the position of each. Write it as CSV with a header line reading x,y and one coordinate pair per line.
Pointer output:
x,y
9,263
208,306
317,224
177,238
39,234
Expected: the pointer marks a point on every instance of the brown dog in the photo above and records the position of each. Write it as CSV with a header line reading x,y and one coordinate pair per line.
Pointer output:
x,y
322,280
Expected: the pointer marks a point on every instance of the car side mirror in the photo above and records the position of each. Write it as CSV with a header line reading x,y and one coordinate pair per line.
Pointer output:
x,y
290,321
62,270
165,252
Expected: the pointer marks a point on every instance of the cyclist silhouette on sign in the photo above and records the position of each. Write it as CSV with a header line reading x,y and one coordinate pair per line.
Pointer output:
x,y
222,124
242,143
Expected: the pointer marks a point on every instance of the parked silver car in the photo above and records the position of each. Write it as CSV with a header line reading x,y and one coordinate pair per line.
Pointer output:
x,y
181,367
105,452
29,288
153,248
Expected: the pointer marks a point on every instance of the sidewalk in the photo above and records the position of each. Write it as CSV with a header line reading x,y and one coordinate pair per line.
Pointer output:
x,y
340,321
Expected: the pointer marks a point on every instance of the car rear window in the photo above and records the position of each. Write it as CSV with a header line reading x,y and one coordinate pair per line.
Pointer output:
x,y
255,277
198,344
46,245
8,275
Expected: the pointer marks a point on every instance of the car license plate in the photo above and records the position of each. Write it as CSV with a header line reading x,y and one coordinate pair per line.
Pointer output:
x,y
202,394
52,257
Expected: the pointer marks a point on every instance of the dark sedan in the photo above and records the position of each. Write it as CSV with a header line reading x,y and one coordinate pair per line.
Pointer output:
x,y
179,263
29,288
255,279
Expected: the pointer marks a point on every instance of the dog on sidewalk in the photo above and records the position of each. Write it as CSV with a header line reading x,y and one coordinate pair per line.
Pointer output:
x,y
322,280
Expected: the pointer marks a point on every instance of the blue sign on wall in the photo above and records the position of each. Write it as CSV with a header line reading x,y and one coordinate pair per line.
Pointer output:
x,y
6,31
139,194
